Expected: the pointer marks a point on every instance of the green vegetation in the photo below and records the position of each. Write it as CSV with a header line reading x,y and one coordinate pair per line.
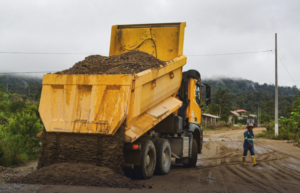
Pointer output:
x,y
289,127
19,124
218,126
27,87
222,103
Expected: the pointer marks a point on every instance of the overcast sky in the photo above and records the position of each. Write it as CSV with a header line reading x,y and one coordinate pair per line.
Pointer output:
x,y
213,27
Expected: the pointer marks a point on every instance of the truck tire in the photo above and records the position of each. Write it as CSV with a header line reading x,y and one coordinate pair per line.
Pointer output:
x,y
148,161
201,144
163,157
193,159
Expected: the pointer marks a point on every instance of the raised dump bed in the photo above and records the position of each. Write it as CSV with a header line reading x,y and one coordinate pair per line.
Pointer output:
x,y
99,104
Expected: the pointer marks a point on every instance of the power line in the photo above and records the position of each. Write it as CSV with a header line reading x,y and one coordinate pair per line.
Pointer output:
x,y
6,73
46,53
66,53
232,53
286,69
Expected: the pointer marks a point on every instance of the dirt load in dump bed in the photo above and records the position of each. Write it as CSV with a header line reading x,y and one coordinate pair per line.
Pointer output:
x,y
79,174
128,63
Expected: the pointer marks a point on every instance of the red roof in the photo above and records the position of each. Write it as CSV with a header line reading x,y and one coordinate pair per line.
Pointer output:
x,y
235,113
241,111
209,115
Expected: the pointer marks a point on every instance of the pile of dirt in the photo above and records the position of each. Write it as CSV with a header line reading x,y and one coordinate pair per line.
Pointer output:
x,y
100,150
128,63
79,174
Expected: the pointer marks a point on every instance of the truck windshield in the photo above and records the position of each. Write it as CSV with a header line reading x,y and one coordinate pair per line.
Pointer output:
x,y
198,94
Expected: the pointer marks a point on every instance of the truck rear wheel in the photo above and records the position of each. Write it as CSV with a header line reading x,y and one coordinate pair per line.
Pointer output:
x,y
193,159
163,156
148,161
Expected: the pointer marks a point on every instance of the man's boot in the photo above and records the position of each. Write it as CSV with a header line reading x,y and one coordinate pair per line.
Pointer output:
x,y
244,160
254,161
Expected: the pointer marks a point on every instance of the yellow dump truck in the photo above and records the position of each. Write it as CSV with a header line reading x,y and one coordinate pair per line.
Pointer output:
x,y
157,112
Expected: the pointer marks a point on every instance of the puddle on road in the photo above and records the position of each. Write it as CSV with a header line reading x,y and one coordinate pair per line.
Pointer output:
x,y
297,168
260,150
201,163
294,160
272,168
258,167
233,145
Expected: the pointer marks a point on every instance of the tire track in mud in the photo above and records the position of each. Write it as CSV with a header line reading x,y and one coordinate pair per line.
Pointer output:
x,y
266,165
224,160
229,186
219,184
283,170
249,180
207,146
251,173
256,172
274,151
204,177
217,179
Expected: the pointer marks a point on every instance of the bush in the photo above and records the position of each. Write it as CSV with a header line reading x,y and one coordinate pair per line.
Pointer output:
x,y
17,106
269,126
1,152
18,139
219,125
283,135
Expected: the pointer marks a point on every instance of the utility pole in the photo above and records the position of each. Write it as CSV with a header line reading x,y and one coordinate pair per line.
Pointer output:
x,y
258,118
276,88
260,115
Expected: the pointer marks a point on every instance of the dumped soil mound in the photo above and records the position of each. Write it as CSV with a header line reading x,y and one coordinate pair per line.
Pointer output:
x,y
74,148
128,63
79,174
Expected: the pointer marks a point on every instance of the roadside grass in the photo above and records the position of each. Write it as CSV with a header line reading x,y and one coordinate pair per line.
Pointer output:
x,y
220,126
283,134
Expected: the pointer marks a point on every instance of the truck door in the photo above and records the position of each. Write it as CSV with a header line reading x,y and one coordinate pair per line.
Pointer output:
x,y
194,110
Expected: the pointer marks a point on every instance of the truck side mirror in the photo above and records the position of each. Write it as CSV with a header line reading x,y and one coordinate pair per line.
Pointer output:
x,y
208,92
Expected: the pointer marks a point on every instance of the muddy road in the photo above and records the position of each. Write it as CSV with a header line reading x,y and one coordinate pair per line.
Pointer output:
x,y
219,169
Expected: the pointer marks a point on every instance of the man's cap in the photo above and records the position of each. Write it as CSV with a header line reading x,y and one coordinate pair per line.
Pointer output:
x,y
250,125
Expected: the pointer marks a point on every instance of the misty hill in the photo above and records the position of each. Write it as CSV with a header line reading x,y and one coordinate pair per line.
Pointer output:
x,y
237,86
24,85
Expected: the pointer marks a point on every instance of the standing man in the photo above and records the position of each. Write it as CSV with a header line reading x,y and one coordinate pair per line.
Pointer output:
x,y
248,144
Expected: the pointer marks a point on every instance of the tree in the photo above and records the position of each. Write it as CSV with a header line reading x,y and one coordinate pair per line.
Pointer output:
x,y
222,102
1,91
290,125
18,141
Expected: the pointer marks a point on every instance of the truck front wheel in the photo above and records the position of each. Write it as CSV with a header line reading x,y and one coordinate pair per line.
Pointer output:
x,y
193,159
148,161
163,156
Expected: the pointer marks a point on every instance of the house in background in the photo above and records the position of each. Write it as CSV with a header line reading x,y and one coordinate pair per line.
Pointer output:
x,y
242,113
209,119
238,114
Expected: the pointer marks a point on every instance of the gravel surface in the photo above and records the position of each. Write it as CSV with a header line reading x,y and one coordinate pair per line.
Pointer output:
x,y
78,174
9,173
